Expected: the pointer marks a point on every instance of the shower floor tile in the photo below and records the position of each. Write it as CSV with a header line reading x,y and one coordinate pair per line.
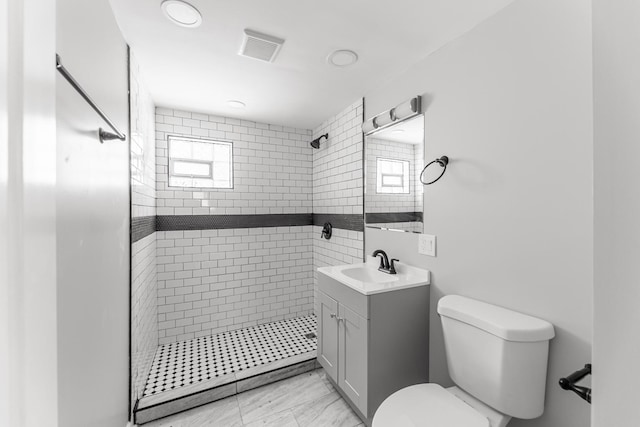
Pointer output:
x,y
189,362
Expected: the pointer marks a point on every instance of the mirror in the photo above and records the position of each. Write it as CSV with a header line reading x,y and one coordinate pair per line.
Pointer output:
x,y
394,157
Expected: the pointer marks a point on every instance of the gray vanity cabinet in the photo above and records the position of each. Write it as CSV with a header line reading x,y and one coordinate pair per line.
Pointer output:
x,y
342,342
328,335
352,356
372,345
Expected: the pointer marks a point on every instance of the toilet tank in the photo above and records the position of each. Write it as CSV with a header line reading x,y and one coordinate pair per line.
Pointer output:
x,y
497,355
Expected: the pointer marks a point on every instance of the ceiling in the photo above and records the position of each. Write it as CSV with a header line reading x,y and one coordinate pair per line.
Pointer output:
x,y
198,69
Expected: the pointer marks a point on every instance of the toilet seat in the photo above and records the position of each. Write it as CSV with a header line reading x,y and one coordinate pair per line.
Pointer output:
x,y
426,405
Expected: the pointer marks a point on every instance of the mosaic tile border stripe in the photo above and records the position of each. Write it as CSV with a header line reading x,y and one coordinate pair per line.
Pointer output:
x,y
142,227
354,222
377,217
212,222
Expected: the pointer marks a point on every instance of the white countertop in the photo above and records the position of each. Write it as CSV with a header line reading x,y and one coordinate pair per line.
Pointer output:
x,y
407,277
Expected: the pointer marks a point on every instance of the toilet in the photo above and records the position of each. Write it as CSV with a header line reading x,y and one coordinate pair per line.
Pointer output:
x,y
496,357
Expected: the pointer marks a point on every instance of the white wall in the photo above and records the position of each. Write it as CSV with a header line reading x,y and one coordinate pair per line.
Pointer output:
x,y
144,283
616,347
337,188
271,167
28,374
5,369
212,281
510,103
93,220
143,143
337,164
144,312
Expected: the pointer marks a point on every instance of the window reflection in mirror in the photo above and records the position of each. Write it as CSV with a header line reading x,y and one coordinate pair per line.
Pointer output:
x,y
394,158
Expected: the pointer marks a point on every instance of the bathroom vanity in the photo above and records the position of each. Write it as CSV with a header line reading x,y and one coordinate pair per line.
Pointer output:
x,y
373,331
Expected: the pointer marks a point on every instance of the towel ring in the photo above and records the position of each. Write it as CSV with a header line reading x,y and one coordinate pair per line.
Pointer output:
x,y
442,161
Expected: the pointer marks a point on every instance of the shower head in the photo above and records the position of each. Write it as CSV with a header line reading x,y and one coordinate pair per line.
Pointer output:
x,y
316,142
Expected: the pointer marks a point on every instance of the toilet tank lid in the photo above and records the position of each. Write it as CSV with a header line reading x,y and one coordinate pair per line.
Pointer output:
x,y
501,322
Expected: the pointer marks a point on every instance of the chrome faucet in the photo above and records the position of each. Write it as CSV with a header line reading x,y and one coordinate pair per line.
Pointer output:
x,y
385,266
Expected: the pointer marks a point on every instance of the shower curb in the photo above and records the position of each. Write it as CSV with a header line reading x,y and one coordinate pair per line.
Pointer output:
x,y
150,408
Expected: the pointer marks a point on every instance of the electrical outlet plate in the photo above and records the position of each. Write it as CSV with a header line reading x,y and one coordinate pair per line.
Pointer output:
x,y
427,244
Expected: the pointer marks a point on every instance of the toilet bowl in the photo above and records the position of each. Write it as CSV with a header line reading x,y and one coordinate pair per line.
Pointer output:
x,y
430,405
496,357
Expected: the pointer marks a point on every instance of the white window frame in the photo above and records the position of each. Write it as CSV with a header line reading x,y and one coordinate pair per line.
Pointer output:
x,y
172,160
172,171
405,177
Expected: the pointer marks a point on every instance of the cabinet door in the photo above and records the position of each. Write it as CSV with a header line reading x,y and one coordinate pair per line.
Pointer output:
x,y
328,335
352,374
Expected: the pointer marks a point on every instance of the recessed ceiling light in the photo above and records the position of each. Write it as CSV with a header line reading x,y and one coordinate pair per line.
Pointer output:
x,y
182,13
397,131
342,58
237,105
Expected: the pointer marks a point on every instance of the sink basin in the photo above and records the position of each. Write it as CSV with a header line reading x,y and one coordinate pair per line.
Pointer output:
x,y
367,274
366,279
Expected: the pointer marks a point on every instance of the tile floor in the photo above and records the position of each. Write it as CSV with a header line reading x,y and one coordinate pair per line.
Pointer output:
x,y
188,362
306,400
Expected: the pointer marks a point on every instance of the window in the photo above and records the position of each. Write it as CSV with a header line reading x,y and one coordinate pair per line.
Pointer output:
x,y
392,176
200,163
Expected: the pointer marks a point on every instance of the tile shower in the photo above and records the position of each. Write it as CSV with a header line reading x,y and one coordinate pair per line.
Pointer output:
x,y
187,362
223,280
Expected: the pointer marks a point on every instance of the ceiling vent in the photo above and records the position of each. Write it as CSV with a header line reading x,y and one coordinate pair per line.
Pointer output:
x,y
260,46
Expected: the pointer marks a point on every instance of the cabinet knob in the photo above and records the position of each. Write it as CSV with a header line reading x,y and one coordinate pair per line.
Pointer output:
x,y
335,316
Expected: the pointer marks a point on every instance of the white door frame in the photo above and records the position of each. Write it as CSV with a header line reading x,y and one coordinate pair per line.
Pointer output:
x,y
616,332
28,323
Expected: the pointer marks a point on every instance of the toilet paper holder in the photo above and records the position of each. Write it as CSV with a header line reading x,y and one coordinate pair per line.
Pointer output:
x,y
569,383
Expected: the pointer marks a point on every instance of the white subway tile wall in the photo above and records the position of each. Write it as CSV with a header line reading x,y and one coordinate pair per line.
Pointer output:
x,y
272,167
337,188
144,291
218,280
143,157
344,247
379,202
144,309
213,281
337,164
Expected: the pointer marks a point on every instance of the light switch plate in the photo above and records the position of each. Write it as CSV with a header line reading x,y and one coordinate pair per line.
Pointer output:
x,y
427,244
